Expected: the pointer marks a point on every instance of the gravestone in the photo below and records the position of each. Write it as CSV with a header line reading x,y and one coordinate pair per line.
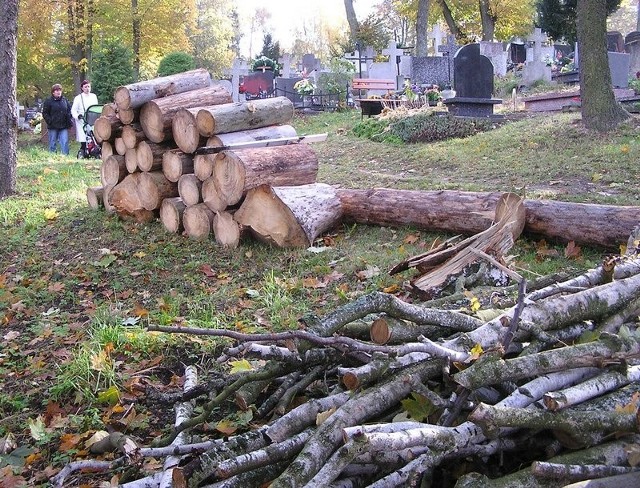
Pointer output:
x,y
310,64
240,68
258,84
517,52
284,62
397,56
436,35
448,51
535,68
619,66
284,88
615,42
431,70
473,83
632,47
498,56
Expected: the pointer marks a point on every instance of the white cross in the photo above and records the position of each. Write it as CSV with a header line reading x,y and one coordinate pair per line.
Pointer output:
x,y
537,39
437,35
285,62
240,68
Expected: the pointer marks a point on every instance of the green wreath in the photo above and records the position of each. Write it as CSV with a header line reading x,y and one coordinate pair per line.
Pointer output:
x,y
264,62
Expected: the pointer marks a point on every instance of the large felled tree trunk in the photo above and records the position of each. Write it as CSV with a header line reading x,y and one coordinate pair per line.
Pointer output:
x,y
137,94
605,226
600,111
8,117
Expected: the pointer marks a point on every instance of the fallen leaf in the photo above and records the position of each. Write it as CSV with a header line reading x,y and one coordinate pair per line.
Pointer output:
x,y
572,251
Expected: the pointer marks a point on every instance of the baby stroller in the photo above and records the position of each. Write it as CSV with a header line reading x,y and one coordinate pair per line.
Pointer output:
x,y
91,149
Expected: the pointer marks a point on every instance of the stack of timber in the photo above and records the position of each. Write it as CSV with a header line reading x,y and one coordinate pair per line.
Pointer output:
x,y
177,147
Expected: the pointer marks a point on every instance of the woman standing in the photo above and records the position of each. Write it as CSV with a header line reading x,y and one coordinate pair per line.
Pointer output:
x,y
80,105
56,112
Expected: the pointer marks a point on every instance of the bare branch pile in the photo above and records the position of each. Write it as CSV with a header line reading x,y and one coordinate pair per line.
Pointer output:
x,y
385,393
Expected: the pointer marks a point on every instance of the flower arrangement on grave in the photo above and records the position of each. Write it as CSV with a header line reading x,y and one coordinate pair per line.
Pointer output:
x,y
433,93
410,91
36,120
264,63
304,87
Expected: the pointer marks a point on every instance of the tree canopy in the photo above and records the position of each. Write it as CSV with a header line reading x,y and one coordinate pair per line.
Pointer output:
x,y
558,17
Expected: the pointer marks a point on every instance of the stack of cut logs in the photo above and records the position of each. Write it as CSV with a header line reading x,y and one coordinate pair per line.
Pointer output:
x,y
168,151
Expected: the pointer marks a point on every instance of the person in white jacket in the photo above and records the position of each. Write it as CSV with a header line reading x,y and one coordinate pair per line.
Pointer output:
x,y
80,105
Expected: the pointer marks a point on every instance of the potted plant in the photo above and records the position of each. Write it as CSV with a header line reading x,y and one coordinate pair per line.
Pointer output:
x,y
433,95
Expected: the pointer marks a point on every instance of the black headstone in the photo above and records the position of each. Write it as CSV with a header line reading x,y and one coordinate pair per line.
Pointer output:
x,y
473,73
518,53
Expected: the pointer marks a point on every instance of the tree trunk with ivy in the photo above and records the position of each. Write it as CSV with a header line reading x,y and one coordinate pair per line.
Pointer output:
x,y
600,111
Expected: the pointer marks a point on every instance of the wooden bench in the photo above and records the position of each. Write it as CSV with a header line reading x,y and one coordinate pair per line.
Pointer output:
x,y
371,106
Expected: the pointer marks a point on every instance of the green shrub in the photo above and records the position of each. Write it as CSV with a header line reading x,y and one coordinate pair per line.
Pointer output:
x,y
503,85
177,62
421,127
112,67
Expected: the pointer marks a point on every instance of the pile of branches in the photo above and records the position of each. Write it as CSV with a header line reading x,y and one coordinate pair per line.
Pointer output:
x,y
383,393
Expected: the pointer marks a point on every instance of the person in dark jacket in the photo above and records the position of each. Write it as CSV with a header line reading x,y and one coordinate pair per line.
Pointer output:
x,y
56,112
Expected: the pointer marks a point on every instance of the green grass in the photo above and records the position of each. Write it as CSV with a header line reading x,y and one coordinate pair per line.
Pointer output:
x,y
78,286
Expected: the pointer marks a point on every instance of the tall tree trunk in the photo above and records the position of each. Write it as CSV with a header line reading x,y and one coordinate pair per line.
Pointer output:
x,y
453,26
488,20
600,111
421,28
79,26
8,116
136,39
354,27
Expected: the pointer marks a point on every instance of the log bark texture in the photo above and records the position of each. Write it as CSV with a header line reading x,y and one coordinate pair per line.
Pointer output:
x,y
137,94
236,172
220,119
270,132
156,115
605,226
290,216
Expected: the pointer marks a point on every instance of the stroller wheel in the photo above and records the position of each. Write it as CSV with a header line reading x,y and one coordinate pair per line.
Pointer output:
x,y
80,154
